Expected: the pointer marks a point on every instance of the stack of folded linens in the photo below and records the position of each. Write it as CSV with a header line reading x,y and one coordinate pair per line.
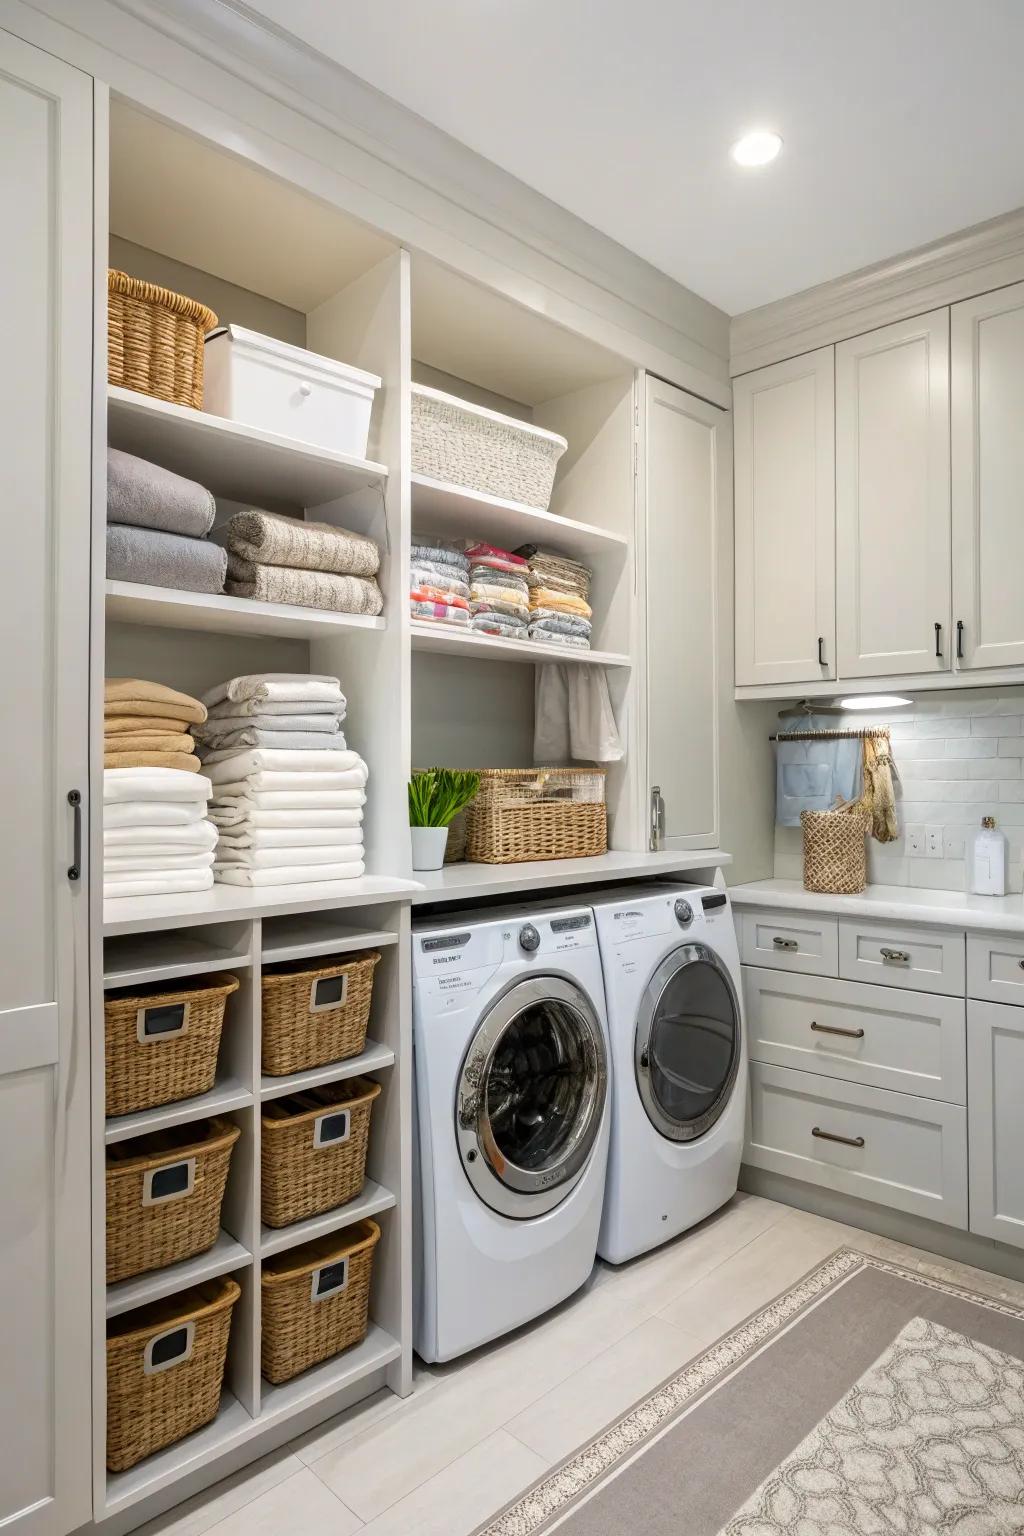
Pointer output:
x,y
157,524
438,582
499,592
147,725
560,611
288,795
277,559
156,836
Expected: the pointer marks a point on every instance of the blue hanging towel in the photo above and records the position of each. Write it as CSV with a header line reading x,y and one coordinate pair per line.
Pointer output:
x,y
810,775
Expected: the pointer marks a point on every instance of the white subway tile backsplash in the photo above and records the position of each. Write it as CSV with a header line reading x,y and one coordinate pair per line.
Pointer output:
x,y
1011,791
934,725
938,874
991,768
972,746
1011,746
935,768
995,725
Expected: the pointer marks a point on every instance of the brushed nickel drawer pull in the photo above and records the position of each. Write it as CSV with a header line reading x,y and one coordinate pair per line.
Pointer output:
x,y
896,956
832,1029
847,1141
792,944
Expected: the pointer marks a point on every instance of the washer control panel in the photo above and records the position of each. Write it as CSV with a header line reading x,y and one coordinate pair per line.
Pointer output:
x,y
529,938
683,912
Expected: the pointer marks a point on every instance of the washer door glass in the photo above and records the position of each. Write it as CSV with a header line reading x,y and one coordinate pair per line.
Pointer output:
x,y
531,1096
688,1043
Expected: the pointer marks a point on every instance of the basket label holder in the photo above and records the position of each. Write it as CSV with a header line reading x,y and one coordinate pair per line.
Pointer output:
x,y
327,992
173,1181
165,1021
331,1129
172,1347
329,1281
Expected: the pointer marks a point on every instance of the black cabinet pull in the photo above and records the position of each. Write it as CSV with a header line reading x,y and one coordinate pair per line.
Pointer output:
x,y
75,802
938,641
821,651
959,639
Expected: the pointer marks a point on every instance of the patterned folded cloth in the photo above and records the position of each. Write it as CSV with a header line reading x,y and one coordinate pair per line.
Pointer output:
x,y
446,578
560,602
491,558
439,613
557,572
545,637
437,552
303,589
501,590
421,593
269,538
506,613
560,624
493,624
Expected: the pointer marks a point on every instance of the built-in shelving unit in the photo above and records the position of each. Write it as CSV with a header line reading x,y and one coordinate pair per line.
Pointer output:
x,y
225,1256
146,914
227,1094
372,1199
455,512
446,641
372,1058
218,613
468,882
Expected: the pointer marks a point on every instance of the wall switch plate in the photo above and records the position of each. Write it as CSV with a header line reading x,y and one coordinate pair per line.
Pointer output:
x,y
933,842
915,842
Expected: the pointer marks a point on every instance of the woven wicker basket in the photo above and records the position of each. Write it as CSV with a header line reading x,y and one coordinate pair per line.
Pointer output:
x,y
835,851
458,832
521,814
465,444
155,340
316,1300
301,1027
162,1046
165,1369
164,1194
313,1153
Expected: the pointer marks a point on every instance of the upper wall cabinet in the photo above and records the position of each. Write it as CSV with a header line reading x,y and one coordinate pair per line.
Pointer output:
x,y
785,521
892,499
988,474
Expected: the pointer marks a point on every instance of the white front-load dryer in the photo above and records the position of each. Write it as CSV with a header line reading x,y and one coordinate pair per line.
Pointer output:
x,y
512,1113
679,1061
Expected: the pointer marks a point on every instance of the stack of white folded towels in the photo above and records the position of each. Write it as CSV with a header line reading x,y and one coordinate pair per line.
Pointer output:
x,y
157,838
288,795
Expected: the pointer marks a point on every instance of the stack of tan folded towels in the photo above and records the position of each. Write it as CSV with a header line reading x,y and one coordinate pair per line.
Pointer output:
x,y
277,559
147,725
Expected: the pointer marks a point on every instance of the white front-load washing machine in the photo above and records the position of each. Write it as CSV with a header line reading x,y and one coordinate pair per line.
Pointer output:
x,y
512,1111
679,1061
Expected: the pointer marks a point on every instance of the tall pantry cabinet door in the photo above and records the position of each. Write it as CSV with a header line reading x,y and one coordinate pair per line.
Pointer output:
x,y
686,454
892,499
784,423
987,411
46,264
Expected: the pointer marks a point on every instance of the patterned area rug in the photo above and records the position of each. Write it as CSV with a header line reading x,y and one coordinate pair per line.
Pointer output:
x,y
867,1400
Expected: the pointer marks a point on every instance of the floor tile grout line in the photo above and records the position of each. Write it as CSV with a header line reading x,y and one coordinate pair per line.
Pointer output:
x,y
176,1512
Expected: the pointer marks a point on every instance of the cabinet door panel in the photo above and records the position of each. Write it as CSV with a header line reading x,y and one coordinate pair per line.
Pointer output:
x,y
987,408
995,1070
785,521
892,499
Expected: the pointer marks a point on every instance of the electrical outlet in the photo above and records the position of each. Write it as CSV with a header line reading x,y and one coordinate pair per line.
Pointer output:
x,y
915,842
933,842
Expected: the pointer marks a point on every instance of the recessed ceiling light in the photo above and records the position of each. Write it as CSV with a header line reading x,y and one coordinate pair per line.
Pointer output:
x,y
874,701
756,148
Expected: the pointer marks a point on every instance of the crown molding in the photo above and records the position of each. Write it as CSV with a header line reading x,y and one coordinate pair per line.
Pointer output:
x,y
960,266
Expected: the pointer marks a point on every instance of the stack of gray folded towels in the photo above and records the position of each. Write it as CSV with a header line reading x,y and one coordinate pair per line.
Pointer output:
x,y
157,524
277,559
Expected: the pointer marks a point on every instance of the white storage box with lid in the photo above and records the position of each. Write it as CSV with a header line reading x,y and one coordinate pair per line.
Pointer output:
x,y
464,444
272,385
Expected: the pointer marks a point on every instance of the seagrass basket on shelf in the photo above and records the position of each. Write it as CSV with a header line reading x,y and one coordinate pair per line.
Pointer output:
x,y
161,1043
313,1149
316,1300
835,850
521,814
313,1014
155,340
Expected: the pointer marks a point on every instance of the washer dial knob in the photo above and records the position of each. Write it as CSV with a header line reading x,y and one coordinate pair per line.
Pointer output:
x,y
684,912
529,938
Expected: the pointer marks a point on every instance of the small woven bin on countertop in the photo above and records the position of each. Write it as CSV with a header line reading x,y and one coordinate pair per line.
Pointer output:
x,y
154,1057
316,1014
316,1300
164,1194
835,850
155,340
313,1151
521,814
165,1370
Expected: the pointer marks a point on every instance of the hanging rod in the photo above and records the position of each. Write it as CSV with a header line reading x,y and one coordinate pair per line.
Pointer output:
x,y
873,731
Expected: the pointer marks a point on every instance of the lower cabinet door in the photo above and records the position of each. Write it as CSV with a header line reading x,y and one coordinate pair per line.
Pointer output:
x,y
995,1072
891,1148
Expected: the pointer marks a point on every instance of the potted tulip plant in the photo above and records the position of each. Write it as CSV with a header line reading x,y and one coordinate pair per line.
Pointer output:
x,y
436,796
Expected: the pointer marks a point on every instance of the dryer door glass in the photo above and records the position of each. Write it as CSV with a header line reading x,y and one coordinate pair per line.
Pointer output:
x,y
688,1043
531,1096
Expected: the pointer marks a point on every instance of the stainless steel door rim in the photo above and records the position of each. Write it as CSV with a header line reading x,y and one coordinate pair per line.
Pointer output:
x,y
688,957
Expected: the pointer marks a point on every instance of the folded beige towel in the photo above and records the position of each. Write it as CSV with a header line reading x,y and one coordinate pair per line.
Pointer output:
x,y
269,538
560,602
135,696
187,761
117,725
149,741
303,589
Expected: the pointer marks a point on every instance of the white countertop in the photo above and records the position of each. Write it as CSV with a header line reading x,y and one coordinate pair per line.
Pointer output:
x,y
895,903
467,882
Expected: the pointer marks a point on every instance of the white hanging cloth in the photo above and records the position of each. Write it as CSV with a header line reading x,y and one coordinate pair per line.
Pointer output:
x,y
573,716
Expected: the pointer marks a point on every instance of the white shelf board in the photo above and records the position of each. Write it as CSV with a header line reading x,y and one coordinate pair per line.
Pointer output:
x,y
467,882
225,1095
372,1058
298,936
231,459
441,639
377,1349
372,1199
136,959
457,512
225,1255
141,914
216,613
231,1427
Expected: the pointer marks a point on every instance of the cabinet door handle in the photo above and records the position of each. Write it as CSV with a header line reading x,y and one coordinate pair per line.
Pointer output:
x,y
1021,964
959,639
938,641
75,802
821,651
847,1141
833,1029
785,943
895,956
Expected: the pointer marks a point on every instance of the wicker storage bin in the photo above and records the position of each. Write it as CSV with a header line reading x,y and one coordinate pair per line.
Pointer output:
x,y
162,1045
465,444
835,851
164,1193
458,832
155,340
316,1300
165,1368
537,813
316,1014
313,1153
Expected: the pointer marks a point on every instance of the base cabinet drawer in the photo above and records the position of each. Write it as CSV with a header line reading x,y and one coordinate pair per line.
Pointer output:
x,y
890,1148
995,1076
995,968
907,1042
790,941
921,959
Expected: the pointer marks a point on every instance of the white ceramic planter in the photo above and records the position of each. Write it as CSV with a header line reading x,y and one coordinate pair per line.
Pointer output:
x,y
428,845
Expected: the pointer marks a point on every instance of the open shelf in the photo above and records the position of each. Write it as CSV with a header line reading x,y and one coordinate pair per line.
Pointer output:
x,y
225,1255
372,1199
137,959
299,936
440,639
140,914
377,1350
457,512
466,882
231,1426
372,1058
216,613
224,1095
232,460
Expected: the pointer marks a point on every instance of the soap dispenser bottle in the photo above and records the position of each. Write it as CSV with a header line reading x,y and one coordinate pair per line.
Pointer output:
x,y
988,865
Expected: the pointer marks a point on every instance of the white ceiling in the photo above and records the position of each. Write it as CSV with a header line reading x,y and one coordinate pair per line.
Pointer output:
x,y
903,120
